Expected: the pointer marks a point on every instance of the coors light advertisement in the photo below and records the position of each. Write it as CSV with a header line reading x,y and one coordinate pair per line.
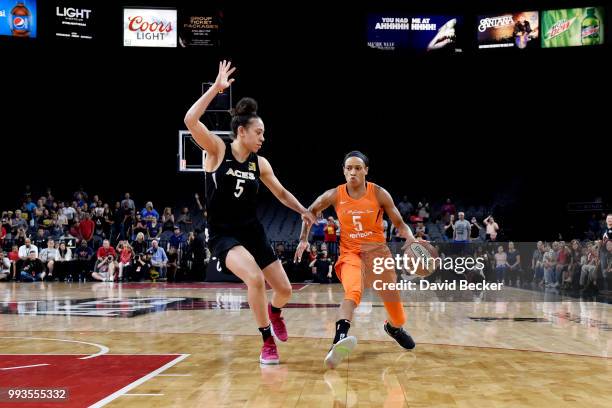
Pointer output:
x,y
149,27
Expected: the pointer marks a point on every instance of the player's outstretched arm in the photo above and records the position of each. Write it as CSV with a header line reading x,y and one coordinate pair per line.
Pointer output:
x,y
325,200
386,202
204,137
266,174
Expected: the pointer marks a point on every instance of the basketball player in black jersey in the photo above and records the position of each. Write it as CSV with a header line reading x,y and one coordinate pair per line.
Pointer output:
x,y
236,237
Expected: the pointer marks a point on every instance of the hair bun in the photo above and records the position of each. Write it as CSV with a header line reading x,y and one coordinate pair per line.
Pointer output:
x,y
246,106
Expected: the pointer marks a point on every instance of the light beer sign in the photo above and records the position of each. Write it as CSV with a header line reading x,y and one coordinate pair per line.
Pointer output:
x,y
149,27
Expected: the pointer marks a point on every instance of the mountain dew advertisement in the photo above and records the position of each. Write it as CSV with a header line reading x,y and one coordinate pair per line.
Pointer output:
x,y
573,27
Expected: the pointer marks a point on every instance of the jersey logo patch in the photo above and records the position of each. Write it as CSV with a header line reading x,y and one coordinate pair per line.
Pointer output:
x,y
252,166
241,174
359,212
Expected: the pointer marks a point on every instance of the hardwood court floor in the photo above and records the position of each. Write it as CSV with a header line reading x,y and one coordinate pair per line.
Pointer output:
x,y
194,345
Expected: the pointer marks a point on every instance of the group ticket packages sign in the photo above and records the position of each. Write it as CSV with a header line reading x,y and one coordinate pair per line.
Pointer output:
x,y
200,30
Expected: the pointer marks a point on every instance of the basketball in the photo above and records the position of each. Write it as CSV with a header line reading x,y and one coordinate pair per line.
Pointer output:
x,y
421,256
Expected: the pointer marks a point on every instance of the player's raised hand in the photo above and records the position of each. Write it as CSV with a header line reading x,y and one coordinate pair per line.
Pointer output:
x,y
223,80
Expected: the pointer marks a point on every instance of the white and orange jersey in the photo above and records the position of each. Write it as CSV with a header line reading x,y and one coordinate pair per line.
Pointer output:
x,y
361,220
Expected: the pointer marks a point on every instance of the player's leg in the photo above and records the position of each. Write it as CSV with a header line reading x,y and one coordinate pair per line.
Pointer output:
x,y
396,316
396,320
348,269
240,262
276,276
258,245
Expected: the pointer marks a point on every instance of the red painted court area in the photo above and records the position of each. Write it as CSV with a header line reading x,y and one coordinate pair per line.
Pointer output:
x,y
86,381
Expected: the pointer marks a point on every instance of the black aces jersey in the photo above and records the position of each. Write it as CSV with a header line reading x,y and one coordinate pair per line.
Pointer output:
x,y
231,194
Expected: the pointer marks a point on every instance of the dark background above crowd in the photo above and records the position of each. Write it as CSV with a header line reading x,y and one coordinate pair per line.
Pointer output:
x,y
523,130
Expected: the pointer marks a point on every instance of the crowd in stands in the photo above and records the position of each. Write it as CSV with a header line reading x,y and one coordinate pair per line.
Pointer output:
x,y
584,266
579,265
89,239
86,238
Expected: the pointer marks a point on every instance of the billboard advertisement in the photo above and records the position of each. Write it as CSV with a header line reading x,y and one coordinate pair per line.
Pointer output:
x,y
18,18
74,20
419,33
512,30
149,27
573,27
200,29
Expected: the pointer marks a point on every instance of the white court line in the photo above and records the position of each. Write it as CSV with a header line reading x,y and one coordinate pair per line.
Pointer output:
x,y
80,354
28,366
136,383
147,354
103,349
142,395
